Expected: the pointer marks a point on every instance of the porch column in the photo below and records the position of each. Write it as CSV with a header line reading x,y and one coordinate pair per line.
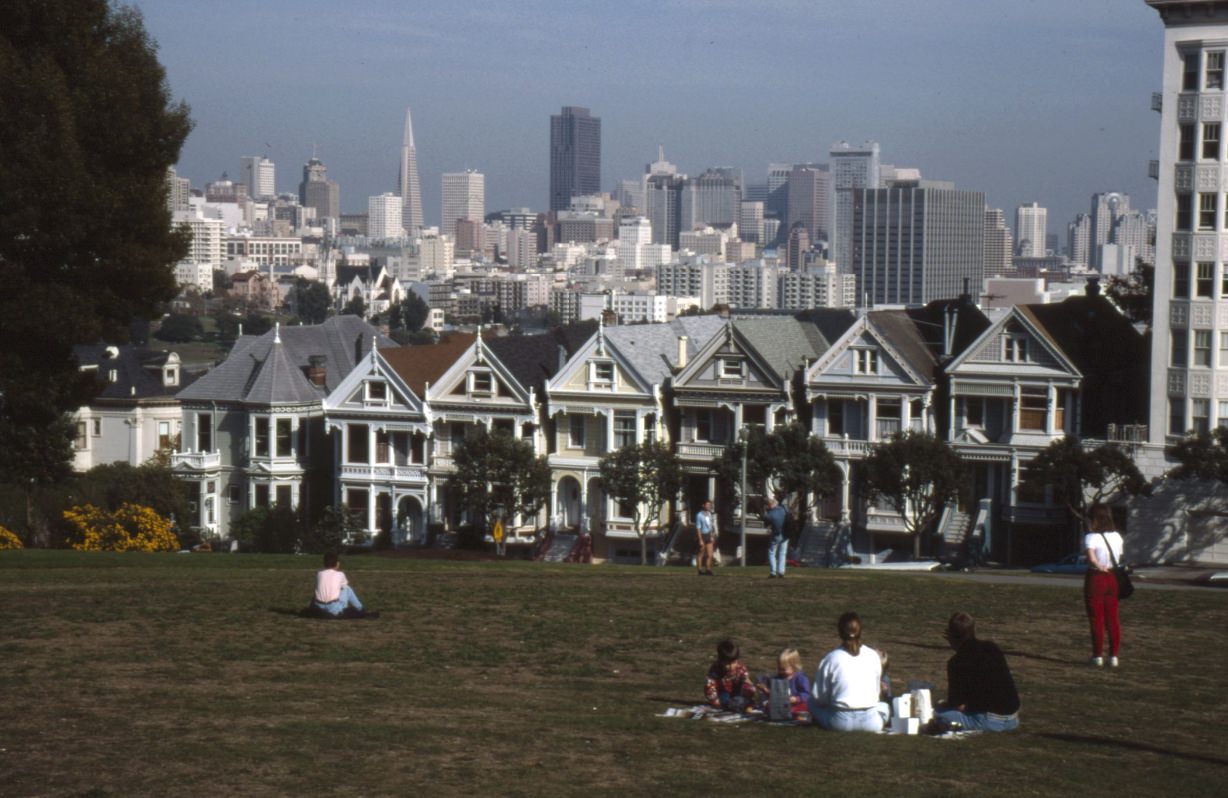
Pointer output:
x,y
845,491
639,426
737,420
927,413
371,501
583,502
1051,410
951,418
609,430
1016,401
872,418
905,413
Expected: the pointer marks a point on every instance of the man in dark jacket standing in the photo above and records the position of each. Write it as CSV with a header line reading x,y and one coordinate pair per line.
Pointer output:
x,y
778,546
981,692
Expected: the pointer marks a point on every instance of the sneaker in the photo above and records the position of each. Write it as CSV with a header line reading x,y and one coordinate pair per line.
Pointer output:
x,y
1113,663
1096,662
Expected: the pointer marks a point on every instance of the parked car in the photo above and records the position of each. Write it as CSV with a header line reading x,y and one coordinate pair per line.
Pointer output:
x,y
1213,579
1070,564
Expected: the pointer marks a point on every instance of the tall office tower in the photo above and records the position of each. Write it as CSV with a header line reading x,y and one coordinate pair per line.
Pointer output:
x,y
178,191
851,168
634,234
575,156
317,191
750,222
797,247
712,198
997,244
630,195
1189,383
809,188
407,181
1106,208
384,217
1031,223
464,197
776,202
916,242
1134,230
256,172
1078,237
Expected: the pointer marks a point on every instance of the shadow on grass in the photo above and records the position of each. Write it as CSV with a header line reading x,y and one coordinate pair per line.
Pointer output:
x,y
1009,653
296,612
686,702
1133,746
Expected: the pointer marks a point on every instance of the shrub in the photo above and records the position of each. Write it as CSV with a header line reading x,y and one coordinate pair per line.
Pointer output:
x,y
133,527
336,528
268,530
8,540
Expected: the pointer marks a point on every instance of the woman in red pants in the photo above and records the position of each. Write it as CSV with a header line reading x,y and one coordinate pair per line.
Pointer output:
x,y
1100,584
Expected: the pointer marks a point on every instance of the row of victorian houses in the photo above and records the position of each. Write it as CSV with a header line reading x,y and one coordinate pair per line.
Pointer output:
x,y
312,416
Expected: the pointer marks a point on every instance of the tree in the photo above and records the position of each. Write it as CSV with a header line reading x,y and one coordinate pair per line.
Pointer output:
x,y
644,478
335,527
788,460
496,472
916,473
268,530
153,485
1203,455
1080,477
312,301
88,132
179,328
1132,292
409,314
355,307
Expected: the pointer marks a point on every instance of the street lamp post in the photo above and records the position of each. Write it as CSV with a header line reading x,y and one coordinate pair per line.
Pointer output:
x,y
744,437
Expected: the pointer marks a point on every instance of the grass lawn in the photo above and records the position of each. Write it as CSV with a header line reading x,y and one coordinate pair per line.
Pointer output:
x,y
187,675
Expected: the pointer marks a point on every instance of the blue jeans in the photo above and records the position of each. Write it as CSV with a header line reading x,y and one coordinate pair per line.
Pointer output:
x,y
869,720
347,599
980,721
778,554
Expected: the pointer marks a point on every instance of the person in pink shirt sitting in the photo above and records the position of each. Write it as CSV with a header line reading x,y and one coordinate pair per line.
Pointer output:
x,y
333,592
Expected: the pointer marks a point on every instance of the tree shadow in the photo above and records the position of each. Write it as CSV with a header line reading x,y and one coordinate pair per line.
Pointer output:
x,y
1009,653
1133,746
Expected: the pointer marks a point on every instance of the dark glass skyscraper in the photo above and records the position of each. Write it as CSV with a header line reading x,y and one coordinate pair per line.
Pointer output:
x,y
575,156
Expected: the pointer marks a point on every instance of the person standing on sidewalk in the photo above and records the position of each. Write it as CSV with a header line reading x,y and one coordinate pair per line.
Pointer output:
x,y
778,545
705,529
1103,546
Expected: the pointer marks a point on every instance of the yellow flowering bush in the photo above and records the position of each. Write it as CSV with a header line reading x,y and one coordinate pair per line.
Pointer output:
x,y
133,527
8,540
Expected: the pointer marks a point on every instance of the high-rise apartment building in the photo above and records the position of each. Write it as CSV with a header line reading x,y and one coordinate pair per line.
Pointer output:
x,y
178,191
407,181
809,191
575,156
1031,224
464,197
750,222
776,201
257,173
1134,230
711,198
997,244
1107,208
915,242
384,217
317,191
1189,366
851,168
1078,240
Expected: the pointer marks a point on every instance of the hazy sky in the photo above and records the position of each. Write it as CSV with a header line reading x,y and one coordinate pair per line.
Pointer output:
x,y
1026,100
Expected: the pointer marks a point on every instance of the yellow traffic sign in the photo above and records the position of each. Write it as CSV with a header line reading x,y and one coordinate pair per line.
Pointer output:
x,y
497,533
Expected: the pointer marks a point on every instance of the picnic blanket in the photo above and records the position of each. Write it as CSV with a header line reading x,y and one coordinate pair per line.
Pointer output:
x,y
706,712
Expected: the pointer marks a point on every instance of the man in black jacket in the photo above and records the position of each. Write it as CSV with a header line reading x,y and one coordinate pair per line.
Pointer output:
x,y
981,693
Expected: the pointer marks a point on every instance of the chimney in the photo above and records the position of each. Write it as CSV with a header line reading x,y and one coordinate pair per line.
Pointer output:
x,y
682,341
562,357
316,370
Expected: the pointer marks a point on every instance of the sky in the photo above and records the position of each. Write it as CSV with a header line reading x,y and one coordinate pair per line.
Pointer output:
x,y
1024,100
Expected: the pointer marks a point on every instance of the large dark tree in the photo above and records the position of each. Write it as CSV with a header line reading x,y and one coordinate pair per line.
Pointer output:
x,y
789,460
87,132
917,474
1080,477
1133,292
312,301
1201,455
498,473
409,314
644,478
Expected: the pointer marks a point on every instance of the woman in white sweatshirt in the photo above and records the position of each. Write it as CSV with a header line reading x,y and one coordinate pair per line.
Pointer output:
x,y
845,693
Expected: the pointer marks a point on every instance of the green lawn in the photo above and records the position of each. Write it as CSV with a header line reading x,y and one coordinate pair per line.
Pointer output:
x,y
186,675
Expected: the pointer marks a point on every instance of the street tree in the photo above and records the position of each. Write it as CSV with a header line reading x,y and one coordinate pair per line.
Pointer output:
x,y
88,131
643,479
1201,455
1080,477
916,474
409,314
789,461
496,473
355,307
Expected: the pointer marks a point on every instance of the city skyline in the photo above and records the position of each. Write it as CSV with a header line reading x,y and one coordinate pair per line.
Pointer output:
x,y
1046,103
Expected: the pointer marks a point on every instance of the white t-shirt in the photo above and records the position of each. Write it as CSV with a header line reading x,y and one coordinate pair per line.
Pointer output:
x,y
847,682
328,585
1094,541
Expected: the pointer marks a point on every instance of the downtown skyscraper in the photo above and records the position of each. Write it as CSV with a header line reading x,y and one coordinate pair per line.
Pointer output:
x,y
575,156
407,182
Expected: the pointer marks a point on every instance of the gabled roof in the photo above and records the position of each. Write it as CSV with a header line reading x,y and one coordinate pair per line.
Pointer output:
x,y
932,320
534,359
271,368
418,365
783,342
900,332
138,372
1082,325
832,322
652,349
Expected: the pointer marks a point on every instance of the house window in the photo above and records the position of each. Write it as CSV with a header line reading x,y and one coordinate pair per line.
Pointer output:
x,y
1202,348
1215,70
1176,416
835,416
1181,280
1185,214
81,441
283,495
1185,143
417,449
624,430
603,374
164,436
234,494
703,425
730,368
1208,209
865,361
356,502
1189,71
483,383
261,437
285,437
1015,349
377,391
383,446
262,495
357,443
887,418
575,431
1033,408
624,509
96,426
1200,415
1180,349
1210,141
974,411
1204,284
1223,351
1222,417
204,432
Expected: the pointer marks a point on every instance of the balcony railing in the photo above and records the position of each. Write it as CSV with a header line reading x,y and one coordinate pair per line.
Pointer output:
x,y
847,447
197,461
1126,433
384,471
699,450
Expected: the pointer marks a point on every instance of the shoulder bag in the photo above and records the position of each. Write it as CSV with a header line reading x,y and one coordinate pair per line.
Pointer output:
x,y
1125,588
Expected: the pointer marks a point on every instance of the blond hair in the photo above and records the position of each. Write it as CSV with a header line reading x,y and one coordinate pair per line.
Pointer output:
x,y
789,658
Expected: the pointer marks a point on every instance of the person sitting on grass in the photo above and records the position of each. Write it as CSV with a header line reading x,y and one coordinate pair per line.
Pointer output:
x,y
729,685
847,689
789,668
334,596
981,692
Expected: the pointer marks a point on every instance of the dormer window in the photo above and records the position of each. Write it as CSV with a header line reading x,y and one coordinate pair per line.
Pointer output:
x,y
481,383
730,368
113,375
170,376
865,361
1015,349
377,391
603,374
